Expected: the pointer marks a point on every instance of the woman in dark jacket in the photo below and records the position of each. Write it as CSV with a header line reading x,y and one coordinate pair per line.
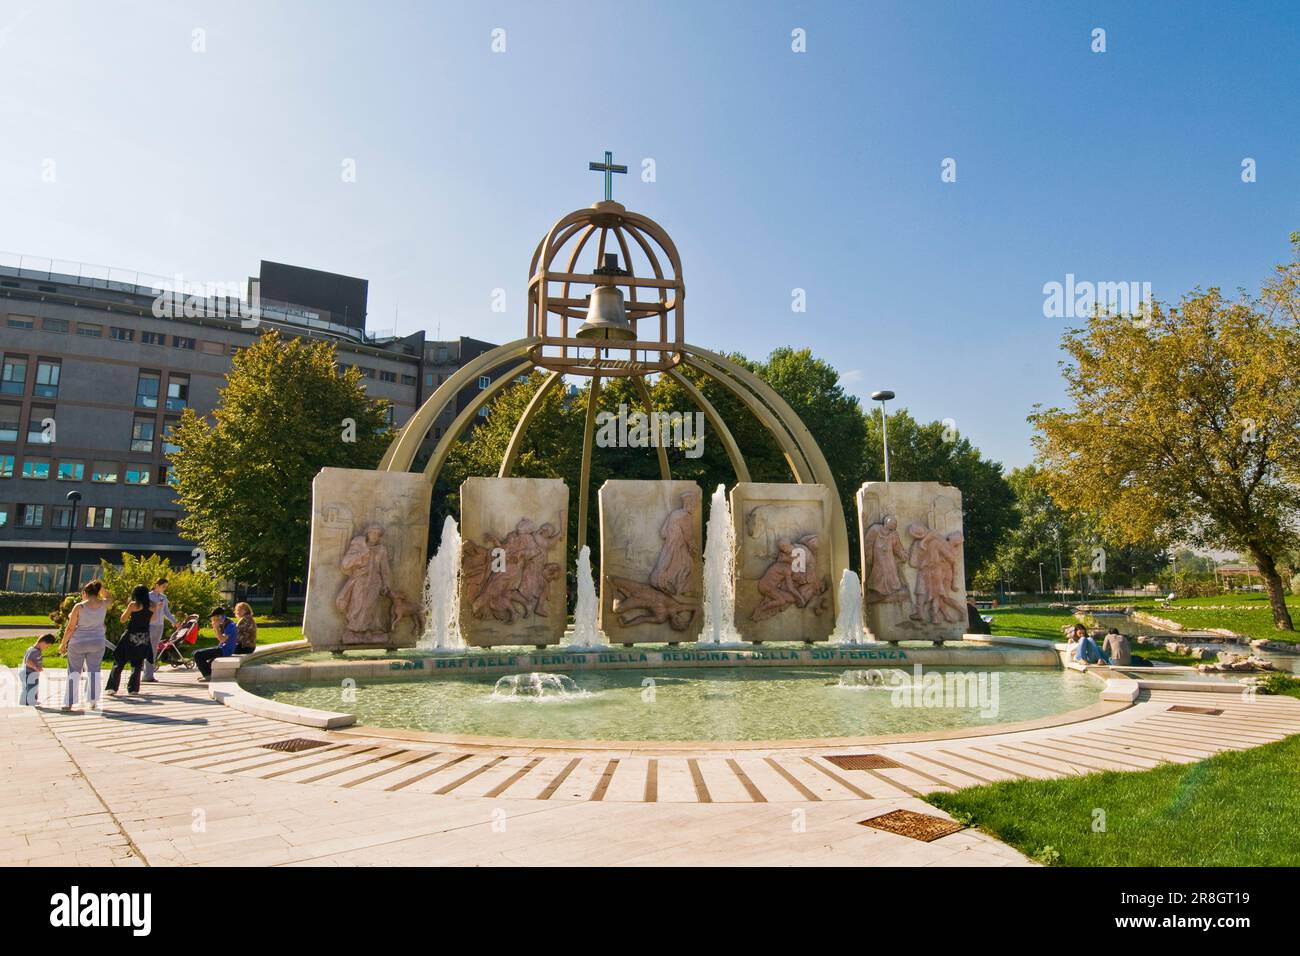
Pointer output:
x,y
134,647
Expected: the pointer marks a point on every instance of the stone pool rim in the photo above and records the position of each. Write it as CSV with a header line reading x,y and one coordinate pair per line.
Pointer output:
x,y
1118,693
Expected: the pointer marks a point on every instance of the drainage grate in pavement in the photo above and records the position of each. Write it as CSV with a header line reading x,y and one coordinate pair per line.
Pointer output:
x,y
1188,709
295,745
863,762
908,823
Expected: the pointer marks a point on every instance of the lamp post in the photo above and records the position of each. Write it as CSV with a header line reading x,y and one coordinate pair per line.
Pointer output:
x,y
73,498
1040,577
882,396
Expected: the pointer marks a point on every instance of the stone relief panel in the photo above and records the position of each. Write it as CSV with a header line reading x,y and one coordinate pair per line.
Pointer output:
x,y
784,590
913,561
651,561
365,577
514,533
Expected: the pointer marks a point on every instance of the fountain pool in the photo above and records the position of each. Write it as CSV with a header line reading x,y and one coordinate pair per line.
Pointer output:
x,y
701,703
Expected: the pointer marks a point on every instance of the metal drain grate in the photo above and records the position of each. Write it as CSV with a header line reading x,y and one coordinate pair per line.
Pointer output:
x,y
864,762
296,745
1188,709
918,826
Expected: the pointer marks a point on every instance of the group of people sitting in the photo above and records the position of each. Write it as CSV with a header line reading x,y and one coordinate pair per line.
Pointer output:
x,y
85,641
1113,649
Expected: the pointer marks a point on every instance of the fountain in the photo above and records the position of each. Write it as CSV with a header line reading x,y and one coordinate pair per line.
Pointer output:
x,y
586,634
873,679
441,595
849,629
719,576
537,687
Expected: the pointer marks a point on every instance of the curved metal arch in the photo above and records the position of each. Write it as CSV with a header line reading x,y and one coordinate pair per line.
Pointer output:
x,y
401,453
461,422
715,422
517,436
786,415
799,469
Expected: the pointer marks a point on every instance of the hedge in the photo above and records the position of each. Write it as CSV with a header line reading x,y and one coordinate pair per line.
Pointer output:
x,y
29,602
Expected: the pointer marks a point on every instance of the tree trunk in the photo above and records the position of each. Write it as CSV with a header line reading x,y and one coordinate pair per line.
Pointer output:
x,y
280,593
1276,599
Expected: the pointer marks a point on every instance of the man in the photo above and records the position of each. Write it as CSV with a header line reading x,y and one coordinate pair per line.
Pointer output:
x,y
1116,645
162,611
227,635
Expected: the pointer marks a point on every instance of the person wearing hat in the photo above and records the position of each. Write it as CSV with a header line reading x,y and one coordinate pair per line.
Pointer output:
x,y
227,635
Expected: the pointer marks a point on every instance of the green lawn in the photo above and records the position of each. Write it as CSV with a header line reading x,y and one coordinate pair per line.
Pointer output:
x,y
1240,808
1040,622
34,620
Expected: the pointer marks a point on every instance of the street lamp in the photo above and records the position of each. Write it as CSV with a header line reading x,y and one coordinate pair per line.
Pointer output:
x,y
73,498
882,396
1040,577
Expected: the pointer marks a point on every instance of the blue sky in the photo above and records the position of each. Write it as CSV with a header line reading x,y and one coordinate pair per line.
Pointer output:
x,y
775,170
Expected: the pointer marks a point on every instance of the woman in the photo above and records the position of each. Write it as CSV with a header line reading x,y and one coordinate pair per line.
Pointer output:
x,y
246,628
83,642
134,647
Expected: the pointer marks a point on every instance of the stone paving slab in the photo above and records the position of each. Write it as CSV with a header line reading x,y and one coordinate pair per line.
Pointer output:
x,y
175,778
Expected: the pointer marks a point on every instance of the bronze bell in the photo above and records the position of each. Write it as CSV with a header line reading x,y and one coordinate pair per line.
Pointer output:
x,y
606,317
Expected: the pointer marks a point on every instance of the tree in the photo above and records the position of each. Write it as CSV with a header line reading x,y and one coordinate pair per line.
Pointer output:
x,y
244,480
937,452
1185,427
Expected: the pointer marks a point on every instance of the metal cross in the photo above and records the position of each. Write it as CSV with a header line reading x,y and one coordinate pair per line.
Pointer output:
x,y
608,168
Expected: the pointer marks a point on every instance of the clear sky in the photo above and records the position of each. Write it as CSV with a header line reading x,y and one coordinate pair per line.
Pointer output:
x,y
775,170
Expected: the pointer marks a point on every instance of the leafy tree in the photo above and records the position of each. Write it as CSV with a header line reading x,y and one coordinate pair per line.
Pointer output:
x,y
937,452
1185,427
244,480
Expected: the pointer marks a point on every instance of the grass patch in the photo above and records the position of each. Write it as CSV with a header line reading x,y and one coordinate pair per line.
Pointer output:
x,y
1240,808
27,620
1041,622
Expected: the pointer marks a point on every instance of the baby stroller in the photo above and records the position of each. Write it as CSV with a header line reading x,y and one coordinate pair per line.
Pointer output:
x,y
170,648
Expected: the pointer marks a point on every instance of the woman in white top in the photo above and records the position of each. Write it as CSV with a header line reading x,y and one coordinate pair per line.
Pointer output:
x,y
84,640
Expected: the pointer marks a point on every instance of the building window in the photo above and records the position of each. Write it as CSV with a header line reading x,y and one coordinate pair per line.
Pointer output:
x,y
408,380
428,380
35,577
132,519
484,381
90,330
31,516
36,468
178,392
9,418
183,342
40,426
71,470
21,322
101,519
104,472
47,379
4,517
6,466
366,372
212,348
387,376
13,378
442,354
164,523
121,335
142,434
55,325
136,474
169,426
146,389
153,338
61,517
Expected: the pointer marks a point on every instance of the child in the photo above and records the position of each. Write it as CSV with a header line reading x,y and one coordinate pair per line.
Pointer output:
x,y
33,664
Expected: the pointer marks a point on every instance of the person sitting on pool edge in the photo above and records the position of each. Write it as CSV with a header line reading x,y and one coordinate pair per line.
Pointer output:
x,y
227,635
1087,651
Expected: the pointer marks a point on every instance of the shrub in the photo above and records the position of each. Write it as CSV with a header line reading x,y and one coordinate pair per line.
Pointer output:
x,y
189,591
28,602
